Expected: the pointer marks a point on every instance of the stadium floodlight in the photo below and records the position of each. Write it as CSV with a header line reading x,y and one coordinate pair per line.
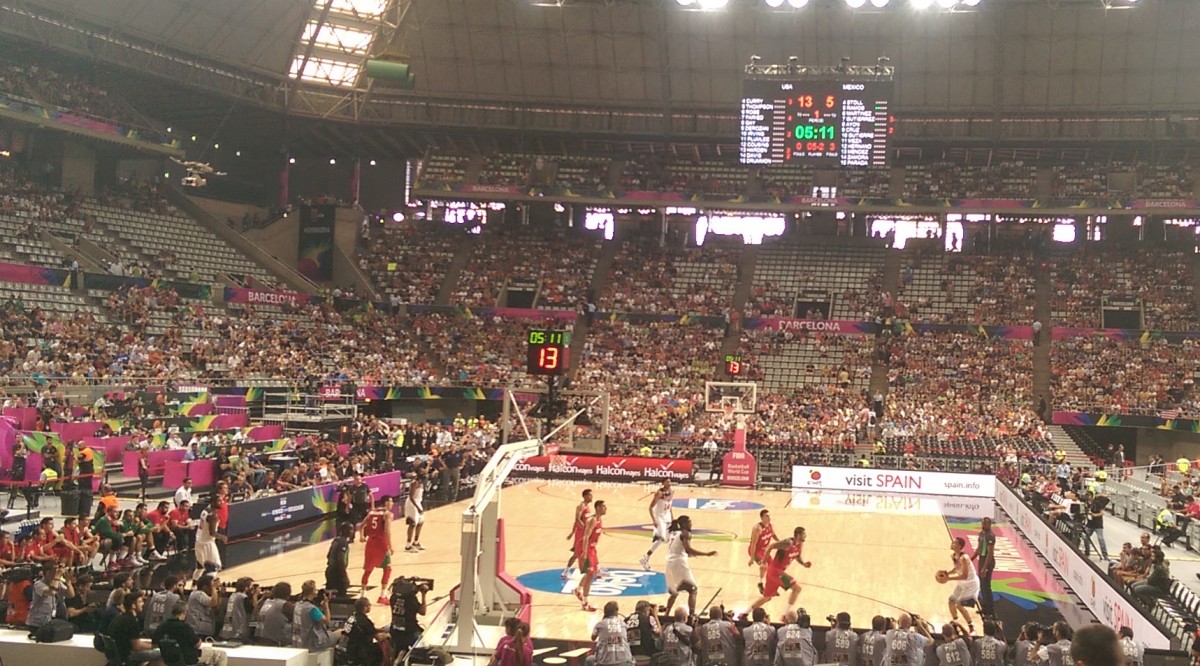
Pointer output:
x,y
797,4
879,4
856,4
291,160
372,162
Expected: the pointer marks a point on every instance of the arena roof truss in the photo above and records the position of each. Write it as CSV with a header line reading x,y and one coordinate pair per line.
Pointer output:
x,y
613,71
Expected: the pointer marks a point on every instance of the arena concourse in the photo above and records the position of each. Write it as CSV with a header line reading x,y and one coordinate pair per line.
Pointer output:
x,y
596,333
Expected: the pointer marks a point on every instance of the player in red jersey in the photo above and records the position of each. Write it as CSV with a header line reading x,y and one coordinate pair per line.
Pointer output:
x,y
582,512
377,534
759,548
782,554
589,562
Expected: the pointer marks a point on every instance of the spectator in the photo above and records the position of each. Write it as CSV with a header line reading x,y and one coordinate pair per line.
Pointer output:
x,y
126,630
192,650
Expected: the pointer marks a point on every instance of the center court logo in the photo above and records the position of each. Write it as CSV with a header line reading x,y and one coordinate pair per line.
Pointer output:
x,y
703,504
613,583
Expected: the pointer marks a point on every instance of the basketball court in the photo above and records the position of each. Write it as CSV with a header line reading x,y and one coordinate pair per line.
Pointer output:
x,y
871,554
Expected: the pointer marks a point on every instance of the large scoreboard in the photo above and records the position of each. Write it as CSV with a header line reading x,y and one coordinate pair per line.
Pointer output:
x,y
822,123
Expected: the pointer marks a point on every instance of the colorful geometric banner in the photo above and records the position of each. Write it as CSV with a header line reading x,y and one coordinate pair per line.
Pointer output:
x,y
1122,334
26,274
505,313
1158,422
108,282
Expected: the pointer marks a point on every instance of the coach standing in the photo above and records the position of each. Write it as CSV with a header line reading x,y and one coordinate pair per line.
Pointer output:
x,y
985,554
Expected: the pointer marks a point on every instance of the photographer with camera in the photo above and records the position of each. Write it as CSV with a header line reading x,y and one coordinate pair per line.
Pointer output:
x,y
679,639
408,602
906,643
202,606
274,618
873,644
310,619
158,608
954,649
759,641
841,643
48,591
719,638
80,612
794,641
239,610
365,644
644,633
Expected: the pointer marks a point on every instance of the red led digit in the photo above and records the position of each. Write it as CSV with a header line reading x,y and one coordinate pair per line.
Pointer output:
x,y
548,358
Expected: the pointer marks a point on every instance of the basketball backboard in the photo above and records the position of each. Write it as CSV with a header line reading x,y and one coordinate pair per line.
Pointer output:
x,y
740,397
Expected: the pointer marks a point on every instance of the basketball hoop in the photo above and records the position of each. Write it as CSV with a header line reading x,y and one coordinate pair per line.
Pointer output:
x,y
728,409
557,464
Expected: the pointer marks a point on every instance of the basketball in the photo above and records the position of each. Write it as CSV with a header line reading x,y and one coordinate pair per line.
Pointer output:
x,y
941,577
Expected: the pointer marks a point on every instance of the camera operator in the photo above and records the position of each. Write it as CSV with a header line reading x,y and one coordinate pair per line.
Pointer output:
x,y
719,639
679,639
365,644
310,619
239,610
82,614
873,644
337,561
408,602
274,618
906,643
644,633
793,641
841,643
202,606
759,641
159,607
48,591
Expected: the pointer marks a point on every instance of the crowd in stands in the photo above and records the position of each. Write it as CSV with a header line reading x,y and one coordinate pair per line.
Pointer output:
x,y
476,350
562,265
409,260
651,279
960,387
1150,376
1160,278
64,89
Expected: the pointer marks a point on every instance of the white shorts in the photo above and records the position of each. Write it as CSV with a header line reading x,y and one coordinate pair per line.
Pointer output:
x,y
662,524
679,573
413,515
965,590
207,553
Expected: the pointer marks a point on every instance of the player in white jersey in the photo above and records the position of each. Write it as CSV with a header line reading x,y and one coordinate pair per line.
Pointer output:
x,y
660,519
967,588
679,570
414,513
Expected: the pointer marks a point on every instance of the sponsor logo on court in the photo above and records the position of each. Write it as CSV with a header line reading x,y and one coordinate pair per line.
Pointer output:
x,y
612,583
704,504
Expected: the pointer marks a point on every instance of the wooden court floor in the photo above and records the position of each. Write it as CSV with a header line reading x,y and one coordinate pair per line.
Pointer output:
x,y
865,561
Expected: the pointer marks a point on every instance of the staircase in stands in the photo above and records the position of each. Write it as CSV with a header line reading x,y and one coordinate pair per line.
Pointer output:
x,y
1075,455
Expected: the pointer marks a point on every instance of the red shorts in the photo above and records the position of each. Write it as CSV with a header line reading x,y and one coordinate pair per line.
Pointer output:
x,y
376,555
577,546
760,555
776,580
589,563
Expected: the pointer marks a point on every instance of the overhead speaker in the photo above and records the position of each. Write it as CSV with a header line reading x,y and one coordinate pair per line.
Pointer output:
x,y
391,73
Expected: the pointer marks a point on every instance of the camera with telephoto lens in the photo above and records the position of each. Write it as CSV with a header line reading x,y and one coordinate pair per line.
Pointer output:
x,y
410,584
